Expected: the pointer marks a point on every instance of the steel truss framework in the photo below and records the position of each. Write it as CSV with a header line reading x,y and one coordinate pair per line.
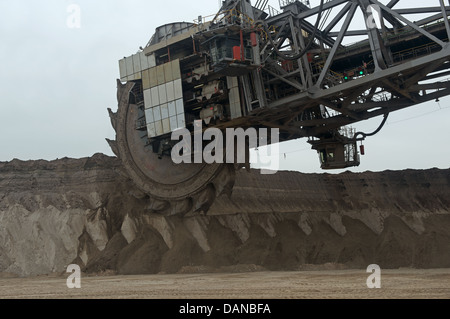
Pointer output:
x,y
396,63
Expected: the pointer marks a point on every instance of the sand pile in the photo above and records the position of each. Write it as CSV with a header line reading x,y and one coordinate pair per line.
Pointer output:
x,y
85,211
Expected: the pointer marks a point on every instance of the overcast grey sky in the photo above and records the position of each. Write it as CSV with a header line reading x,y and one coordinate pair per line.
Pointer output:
x,y
57,82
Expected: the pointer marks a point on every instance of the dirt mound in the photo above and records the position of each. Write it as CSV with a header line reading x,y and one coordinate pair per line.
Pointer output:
x,y
86,211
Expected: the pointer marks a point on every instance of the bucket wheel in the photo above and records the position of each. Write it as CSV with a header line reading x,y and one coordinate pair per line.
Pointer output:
x,y
171,188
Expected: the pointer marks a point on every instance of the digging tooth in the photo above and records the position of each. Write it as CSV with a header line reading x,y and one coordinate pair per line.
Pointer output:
x,y
158,206
181,207
114,148
113,117
166,208
203,200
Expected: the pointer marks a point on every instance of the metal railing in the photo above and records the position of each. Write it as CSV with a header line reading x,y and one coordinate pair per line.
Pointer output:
x,y
284,3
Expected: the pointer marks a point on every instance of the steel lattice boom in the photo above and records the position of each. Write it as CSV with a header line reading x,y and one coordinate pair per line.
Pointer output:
x,y
310,80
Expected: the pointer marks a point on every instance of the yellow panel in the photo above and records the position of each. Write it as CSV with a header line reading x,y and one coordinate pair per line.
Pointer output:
x,y
159,128
166,125
168,72
153,77
145,79
160,74
176,72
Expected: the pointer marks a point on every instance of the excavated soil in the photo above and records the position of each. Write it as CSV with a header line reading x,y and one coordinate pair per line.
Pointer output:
x,y
85,211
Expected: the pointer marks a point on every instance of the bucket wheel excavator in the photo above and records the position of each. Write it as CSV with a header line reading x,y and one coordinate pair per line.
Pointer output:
x,y
307,71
